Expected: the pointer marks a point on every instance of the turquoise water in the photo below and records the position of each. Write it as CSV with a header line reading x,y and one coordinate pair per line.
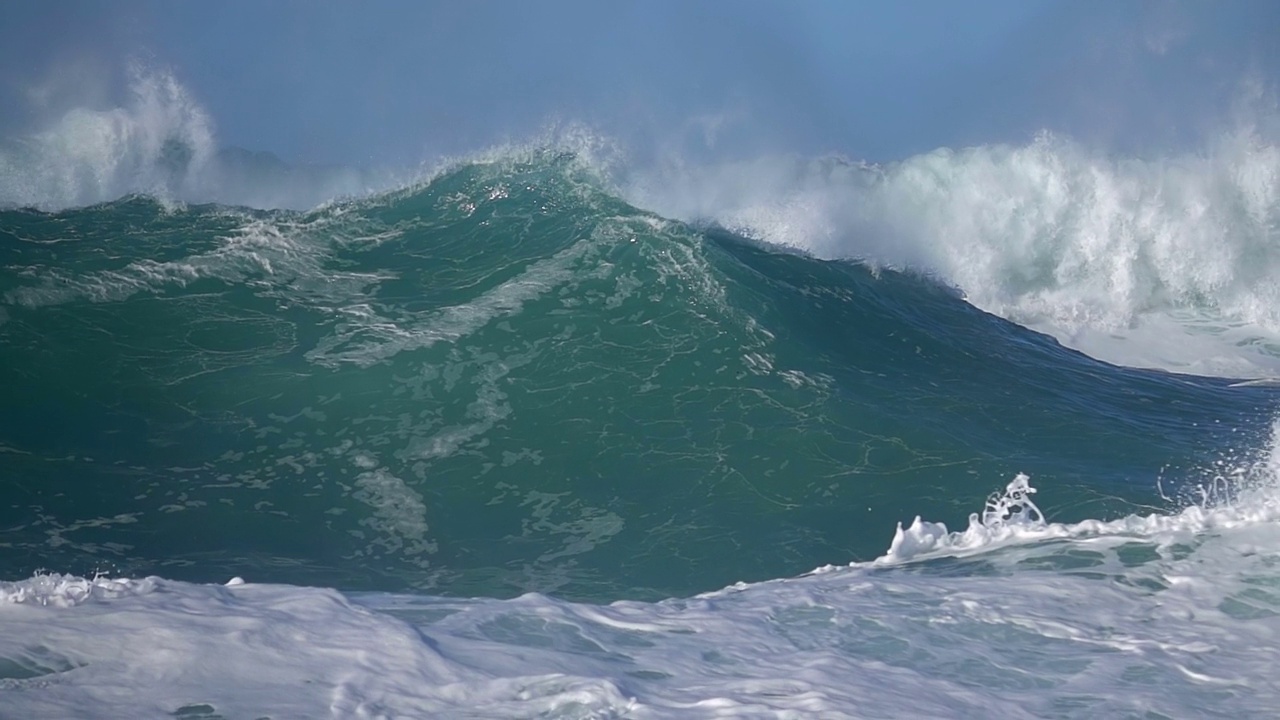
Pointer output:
x,y
507,379
501,444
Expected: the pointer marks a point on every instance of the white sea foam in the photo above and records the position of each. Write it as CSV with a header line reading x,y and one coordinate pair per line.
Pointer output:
x,y
157,141
1088,628
1164,262
160,141
1163,615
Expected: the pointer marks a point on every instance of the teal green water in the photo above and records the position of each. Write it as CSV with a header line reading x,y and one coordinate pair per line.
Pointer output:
x,y
507,380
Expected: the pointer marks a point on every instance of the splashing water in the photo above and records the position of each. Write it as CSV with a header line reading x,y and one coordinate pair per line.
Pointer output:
x,y
160,142
1164,262
1237,493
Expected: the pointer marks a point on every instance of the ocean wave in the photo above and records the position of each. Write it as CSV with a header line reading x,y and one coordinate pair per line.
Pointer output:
x,y
1165,262
1161,261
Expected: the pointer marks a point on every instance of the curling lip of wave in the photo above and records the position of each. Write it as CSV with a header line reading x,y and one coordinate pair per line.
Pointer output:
x,y
1167,262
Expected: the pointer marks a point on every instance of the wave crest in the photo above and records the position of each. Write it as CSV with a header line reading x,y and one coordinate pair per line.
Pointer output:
x,y
1179,252
159,142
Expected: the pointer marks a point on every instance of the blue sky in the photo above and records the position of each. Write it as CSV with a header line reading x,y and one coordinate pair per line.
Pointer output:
x,y
399,81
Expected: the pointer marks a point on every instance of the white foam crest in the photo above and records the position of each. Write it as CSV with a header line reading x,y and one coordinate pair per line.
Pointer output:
x,y
1072,242
1244,494
592,155
157,143
589,150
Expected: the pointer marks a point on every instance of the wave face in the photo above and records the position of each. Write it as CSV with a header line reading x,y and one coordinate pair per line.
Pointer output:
x,y
508,383
507,380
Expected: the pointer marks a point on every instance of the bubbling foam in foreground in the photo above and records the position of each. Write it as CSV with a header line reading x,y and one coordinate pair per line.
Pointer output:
x,y
1162,615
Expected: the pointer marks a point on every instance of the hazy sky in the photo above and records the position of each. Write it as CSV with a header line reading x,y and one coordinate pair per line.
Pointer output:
x,y
395,81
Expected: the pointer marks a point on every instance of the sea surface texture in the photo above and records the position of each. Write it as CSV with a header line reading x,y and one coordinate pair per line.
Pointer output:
x,y
983,433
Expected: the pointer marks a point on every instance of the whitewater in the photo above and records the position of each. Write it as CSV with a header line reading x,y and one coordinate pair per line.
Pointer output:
x,y
547,432
1155,616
